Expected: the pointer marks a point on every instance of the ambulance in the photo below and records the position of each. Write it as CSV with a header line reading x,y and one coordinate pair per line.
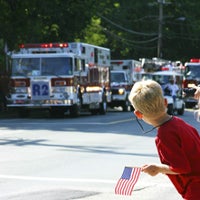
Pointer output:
x,y
123,75
60,77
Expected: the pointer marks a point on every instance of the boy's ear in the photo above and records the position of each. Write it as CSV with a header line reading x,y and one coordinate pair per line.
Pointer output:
x,y
138,114
165,102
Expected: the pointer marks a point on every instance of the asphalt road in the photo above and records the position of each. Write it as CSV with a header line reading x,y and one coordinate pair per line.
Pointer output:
x,y
43,158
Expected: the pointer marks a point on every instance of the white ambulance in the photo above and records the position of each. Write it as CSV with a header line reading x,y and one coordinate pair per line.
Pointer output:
x,y
123,75
60,77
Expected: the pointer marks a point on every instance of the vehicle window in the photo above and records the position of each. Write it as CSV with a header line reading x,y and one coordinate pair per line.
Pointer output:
x,y
25,66
79,64
56,66
161,79
117,77
192,71
104,74
145,76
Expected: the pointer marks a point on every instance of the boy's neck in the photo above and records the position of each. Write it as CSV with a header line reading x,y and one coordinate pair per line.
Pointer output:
x,y
161,120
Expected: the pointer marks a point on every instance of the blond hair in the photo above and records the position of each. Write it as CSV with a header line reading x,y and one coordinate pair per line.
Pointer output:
x,y
147,97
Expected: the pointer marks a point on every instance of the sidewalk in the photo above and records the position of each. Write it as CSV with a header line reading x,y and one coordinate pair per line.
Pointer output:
x,y
154,193
150,193
147,188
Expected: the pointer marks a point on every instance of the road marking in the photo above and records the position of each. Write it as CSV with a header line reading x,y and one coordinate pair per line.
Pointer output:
x,y
33,178
71,123
120,121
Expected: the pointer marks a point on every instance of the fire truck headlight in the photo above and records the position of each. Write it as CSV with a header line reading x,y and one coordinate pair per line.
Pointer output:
x,y
58,90
93,89
20,90
121,91
191,85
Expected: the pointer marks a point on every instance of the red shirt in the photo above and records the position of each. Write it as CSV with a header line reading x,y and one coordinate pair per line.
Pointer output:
x,y
178,145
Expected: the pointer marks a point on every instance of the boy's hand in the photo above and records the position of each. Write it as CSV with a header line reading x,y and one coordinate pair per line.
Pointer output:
x,y
152,170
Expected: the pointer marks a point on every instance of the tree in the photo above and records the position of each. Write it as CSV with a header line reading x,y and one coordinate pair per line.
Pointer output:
x,y
128,28
92,34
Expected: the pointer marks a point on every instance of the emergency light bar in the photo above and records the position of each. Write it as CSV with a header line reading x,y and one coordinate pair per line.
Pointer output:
x,y
164,68
44,45
195,60
117,62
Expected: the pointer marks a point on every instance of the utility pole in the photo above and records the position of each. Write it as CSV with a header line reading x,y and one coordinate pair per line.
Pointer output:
x,y
160,27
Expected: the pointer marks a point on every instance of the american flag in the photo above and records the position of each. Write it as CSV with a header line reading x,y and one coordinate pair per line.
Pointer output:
x,y
127,181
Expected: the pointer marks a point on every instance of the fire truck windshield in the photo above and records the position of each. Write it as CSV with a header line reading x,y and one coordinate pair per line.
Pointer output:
x,y
117,77
52,66
192,71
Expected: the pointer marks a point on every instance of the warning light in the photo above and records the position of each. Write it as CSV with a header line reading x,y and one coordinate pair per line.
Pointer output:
x,y
117,62
195,60
44,45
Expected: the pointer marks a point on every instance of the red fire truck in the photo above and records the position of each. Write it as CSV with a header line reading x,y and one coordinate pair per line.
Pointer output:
x,y
191,79
60,77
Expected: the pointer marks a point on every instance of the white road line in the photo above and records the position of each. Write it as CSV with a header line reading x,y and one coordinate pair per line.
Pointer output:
x,y
33,178
72,123
120,121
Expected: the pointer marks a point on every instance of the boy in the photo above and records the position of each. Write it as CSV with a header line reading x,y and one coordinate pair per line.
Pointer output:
x,y
177,142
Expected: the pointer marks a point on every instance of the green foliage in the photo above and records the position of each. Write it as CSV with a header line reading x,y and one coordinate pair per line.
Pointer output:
x,y
93,33
128,28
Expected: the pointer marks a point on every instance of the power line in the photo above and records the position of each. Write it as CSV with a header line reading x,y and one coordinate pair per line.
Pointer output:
x,y
132,41
125,29
128,42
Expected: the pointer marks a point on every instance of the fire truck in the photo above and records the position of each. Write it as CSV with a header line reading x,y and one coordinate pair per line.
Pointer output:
x,y
61,77
4,79
123,75
163,71
191,78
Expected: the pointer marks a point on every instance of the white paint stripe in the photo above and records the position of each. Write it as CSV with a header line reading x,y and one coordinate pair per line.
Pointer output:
x,y
120,121
71,123
33,178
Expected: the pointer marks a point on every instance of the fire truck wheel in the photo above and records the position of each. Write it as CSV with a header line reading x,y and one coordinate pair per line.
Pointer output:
x,y
125,105
170,109
1,106
2,102
94,111
56,112
181,111
74,110
131,108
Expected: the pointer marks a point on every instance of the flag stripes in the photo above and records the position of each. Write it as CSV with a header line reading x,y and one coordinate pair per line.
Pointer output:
x,y
127,181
